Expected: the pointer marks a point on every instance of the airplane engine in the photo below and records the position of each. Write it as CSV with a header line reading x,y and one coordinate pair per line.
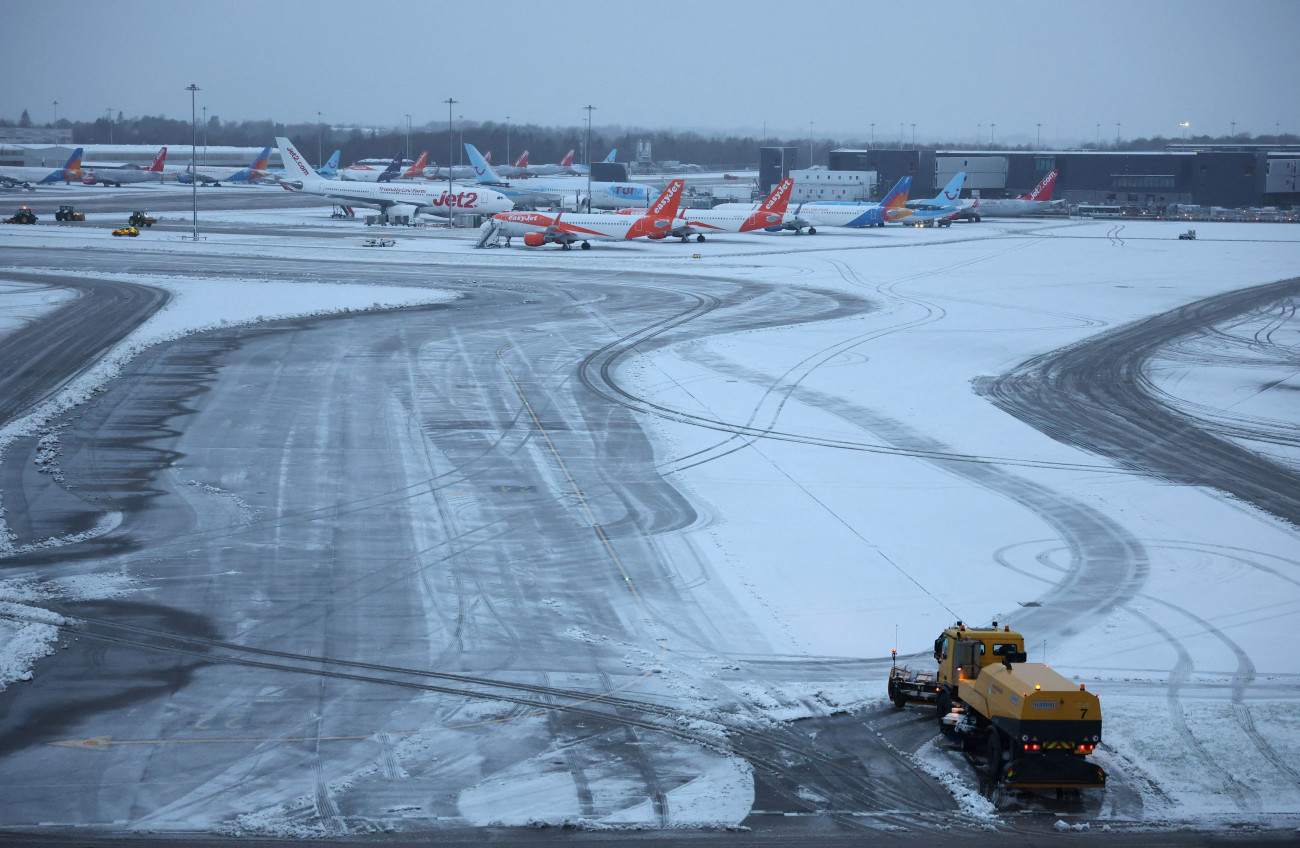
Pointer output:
x,y
657,236
534,239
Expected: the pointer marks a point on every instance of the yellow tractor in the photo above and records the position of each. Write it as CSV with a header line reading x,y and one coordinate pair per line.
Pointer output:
x,y
140,219
1034,727
22,216
68,213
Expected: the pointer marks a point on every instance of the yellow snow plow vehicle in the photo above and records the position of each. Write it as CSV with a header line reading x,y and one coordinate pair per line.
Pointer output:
x,y
1034,727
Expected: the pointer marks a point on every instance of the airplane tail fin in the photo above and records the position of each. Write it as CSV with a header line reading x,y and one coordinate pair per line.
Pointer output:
x,y
952,191
668,201
482,170
73,168
897,197
157,165
487,157
522,161
567,161
331,168
394,168
1043,191
613,151
262,161
779,200
417,169
295,165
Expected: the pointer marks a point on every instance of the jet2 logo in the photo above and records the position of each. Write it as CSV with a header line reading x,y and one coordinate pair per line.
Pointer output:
x,y
293,154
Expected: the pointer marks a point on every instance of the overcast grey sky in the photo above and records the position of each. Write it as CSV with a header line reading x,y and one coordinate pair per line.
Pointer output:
x,y
700,64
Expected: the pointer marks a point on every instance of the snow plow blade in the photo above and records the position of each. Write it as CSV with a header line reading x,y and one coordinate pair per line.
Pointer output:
x,y
1053,773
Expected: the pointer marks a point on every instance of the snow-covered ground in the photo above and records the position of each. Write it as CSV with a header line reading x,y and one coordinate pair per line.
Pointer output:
x,y
846,553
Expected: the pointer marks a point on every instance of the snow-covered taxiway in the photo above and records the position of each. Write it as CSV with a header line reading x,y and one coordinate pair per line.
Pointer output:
x,y
431,538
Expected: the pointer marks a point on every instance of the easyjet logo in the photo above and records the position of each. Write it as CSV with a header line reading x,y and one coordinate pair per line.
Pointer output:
x,y
667,196
779,193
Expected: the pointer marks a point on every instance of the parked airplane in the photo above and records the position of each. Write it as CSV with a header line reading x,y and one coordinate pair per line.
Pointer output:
x,y
254,172
893,207
115,175
582,169
770,215
27,176
391,198
330,170
366,174
1038,200
564,229
523,194
416,171
564,166
564,191
940,209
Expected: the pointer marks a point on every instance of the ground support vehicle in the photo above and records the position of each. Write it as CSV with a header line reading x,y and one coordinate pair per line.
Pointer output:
x,y
126,231
1034,727
140,219
68,213
378,242
22,216
1190,235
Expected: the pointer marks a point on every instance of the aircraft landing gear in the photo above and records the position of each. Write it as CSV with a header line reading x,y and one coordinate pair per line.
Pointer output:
x,y
586,245
700,238
812,231
564,245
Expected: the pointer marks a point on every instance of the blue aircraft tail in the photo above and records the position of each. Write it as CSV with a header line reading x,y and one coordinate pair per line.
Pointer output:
x,y
330,169
952,191
482,170
393,170
612,153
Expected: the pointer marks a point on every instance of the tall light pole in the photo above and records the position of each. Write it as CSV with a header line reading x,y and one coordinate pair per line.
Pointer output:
x,y
992,127
320,142
1039,143
1234,129
1117,125
1185,125
1099,135
873,136
194,176
56,111
205,136
913,136
979,136
589,109
408,136
450,101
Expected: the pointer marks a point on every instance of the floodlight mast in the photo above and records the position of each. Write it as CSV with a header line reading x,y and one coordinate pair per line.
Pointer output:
x,y
194,174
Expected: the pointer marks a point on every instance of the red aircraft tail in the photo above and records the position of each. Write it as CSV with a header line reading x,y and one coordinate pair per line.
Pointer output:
x,y
157,165
522,161
1043,191
417,169
567,161
779,199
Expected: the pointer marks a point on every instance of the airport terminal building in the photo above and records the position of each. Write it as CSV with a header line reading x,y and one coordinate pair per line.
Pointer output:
x,y
1230,176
